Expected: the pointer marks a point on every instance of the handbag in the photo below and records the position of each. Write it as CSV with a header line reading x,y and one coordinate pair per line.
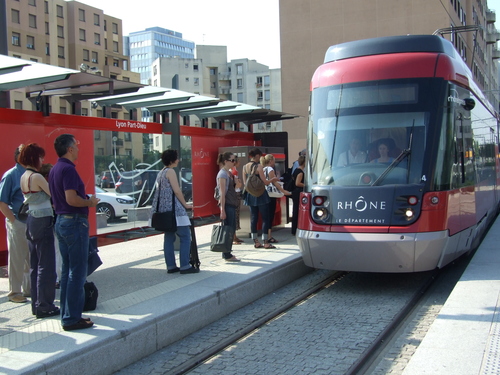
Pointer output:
x,y
222,238
272,190
22,214
91,294
254,184
164,221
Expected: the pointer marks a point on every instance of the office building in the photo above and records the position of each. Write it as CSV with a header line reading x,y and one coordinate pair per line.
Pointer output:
x,y
309,27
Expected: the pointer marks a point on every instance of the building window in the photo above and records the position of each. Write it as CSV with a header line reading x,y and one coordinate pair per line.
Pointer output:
x,y
85,111
155,70
115,47
16,39
33,59
14,15
47,49
32,2
196,81
187,79
239,69
125,79
116,63
267,94
239,83
212,71
127,137
195,67
97,21
59,11
82,35
81,15
47,28
46,7
267,80
32,21
128,152
97,39
105,26
18,104
259,95
86,55
60,31
115,28
213,85
259,81
239,97
97,134
60,52
95,56
186,65
30,42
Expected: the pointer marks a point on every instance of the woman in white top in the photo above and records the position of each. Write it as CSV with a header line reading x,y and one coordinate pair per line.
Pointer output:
x,y
268,163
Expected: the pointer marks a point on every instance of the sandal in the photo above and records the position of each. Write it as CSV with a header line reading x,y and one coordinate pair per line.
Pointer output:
x,y
268,245
272,240
257,244
237,243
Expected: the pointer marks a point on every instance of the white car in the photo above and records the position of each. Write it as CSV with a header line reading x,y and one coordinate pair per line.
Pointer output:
x,y
112,204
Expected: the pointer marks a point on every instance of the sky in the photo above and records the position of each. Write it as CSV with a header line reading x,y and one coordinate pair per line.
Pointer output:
x,y
249,28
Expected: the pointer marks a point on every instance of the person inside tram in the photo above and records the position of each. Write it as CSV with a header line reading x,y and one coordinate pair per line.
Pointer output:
x,y
384,151
352,156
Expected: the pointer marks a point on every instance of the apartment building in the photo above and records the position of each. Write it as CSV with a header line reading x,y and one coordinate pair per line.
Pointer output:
x,y
309,27
73,35
241,80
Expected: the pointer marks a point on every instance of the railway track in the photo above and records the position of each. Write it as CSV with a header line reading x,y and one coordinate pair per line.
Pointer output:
x,y
357,313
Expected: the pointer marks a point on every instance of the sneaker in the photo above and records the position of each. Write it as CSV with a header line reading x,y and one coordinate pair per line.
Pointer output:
x,y
48,314
190,270
81,324
173,270
232,259
17,298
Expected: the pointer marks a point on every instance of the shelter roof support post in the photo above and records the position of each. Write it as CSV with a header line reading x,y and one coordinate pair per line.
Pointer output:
x,y
106,111
4,99
76,108
133,114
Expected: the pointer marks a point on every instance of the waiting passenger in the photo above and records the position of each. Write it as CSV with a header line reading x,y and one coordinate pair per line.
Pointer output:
x,y
353,155
383,150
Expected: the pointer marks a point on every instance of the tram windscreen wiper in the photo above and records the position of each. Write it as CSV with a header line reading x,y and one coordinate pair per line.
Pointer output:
x,y
395,162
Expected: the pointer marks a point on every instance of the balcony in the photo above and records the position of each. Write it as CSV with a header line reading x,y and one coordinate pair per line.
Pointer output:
x,y
492,37
495,54
491,16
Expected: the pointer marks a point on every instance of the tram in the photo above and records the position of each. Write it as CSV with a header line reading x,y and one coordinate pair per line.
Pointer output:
x,y
402,172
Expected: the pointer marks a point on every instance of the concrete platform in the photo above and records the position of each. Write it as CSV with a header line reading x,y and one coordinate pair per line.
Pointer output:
x,y
465,337
141,308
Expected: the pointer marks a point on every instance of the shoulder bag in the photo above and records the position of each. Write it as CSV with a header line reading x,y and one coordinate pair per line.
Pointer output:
x,y
164,221
254,184
272,190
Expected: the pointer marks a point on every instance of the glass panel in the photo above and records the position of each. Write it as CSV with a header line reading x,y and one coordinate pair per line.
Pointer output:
x,y
126,167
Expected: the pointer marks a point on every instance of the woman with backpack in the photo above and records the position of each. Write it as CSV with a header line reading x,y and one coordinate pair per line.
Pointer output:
x,y
258,203
298,179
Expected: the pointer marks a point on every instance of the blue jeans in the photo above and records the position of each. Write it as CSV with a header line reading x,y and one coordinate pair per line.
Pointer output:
x,y
40,235
72,231
254,218
230,220
184,233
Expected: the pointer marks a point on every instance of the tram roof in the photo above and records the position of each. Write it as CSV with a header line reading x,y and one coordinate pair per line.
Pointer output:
x,y
389,44
47,80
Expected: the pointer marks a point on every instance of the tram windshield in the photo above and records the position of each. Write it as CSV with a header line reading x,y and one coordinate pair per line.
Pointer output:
x,y
367,135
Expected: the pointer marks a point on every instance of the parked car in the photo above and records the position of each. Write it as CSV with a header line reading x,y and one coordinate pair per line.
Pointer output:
x,y
112,204
107,181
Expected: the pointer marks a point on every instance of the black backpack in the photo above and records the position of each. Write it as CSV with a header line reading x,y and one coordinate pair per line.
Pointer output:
x,y
288,182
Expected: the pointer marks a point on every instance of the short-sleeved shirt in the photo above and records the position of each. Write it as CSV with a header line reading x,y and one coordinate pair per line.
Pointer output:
x,y
63,176
10,188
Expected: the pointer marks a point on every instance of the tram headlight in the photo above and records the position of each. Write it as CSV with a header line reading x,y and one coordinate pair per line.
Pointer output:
x,y
413,200
409,213
434,200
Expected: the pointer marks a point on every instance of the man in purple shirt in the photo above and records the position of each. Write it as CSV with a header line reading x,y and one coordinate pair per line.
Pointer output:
x,y
72,230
